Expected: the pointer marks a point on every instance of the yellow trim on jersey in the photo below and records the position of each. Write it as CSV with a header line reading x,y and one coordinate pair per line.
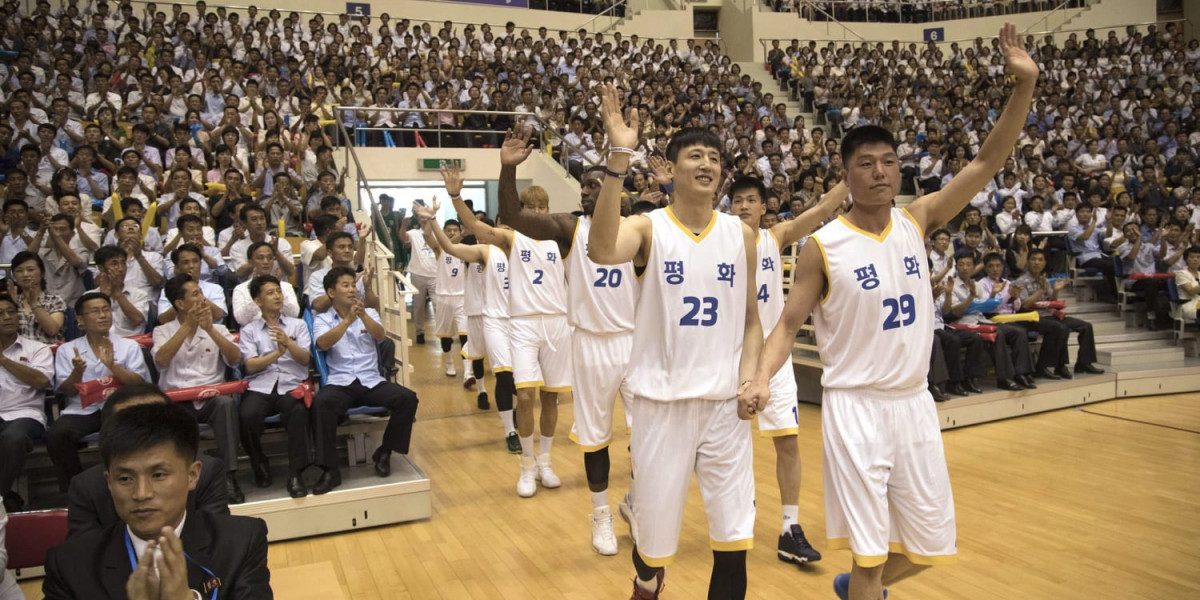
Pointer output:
x,y
447,337
557,390
922,559
575,438
530,384
879,238
501,370
572,247
657,563
920,230
733,546
825,262
778,244
774,433
464,355
695,237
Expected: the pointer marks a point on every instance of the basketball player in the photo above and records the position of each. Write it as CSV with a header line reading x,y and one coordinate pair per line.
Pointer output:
x,y
487,332
781,420
696,335
422,272
887,491
451,280
600,306
541,337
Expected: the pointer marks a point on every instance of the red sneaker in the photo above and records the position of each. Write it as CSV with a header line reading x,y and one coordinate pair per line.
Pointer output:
x,y
640,594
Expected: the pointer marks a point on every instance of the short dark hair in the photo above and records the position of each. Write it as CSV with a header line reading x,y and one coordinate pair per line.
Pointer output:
x,y
178,252
257,283
990,256
250,207
254,248
173,289
865,134
1036,252
107,253
322,224
1190,251
335,236
9,299
331,278
129,392
973,229
330,202
139,428
939,231
742,184
88,297
185,219
25,256
964,253
691,136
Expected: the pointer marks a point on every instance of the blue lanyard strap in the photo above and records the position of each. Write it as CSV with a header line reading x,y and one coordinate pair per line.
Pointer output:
x,y
212,577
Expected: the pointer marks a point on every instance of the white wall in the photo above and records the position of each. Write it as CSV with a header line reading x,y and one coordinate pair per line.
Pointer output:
x,y
401,164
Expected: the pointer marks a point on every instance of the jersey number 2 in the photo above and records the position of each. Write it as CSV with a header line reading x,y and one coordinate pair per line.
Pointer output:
x,y
897,307
537,276
705,307
607,278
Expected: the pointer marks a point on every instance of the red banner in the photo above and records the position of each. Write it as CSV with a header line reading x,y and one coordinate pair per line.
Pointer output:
x,y
204,392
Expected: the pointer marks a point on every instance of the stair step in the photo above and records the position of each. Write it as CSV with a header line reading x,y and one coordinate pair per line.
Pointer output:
x,y
1140,356
1091,308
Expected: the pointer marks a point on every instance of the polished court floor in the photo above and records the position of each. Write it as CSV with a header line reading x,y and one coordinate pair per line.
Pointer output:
x,y
1099,502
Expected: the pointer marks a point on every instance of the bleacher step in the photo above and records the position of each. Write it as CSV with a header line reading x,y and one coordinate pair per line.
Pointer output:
x,y
1136,354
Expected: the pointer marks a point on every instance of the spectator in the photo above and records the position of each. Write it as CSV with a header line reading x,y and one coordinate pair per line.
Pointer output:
x,y
1187,281
1010,349
26,368
340,248
15,233
41,314
89,503
65,255
245,308
188,259
1052,356
149,454
255,219
191,351
1034,286
276,350
97,354
1086,245
354,379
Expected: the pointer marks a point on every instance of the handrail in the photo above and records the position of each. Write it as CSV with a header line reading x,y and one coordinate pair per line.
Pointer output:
x,y
624,3
1061,5
834,19
765,41
929,5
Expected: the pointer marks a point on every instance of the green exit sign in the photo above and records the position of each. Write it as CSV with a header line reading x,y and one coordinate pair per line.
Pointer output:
x,y
436,164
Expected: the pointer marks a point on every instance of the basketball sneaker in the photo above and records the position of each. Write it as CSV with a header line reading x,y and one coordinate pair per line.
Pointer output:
x,y
481,401
527,484
794,547
468,381
545,473
604,542
640,594
450,372
841,586
626,510
513,442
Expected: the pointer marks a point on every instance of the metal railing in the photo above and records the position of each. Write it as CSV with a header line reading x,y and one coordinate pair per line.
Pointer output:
x,y
852,11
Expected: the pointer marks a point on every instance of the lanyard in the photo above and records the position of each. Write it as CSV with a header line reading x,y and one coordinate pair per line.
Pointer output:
x,y
133,562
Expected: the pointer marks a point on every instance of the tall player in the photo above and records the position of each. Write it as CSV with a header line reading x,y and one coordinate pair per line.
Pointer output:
x,y
600,306
696,336
887,490
449,315
541,337
781,420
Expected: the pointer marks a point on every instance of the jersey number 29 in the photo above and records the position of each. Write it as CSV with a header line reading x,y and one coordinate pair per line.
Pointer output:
x,y
897,308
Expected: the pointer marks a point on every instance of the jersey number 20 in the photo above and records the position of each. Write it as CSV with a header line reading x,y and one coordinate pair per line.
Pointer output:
x,y
705,307
607,278
898,307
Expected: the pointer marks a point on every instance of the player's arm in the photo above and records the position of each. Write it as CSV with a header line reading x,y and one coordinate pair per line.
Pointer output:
x,y
471,254
790,232
752,344
485,233
612,241
936,209
806,292
559,227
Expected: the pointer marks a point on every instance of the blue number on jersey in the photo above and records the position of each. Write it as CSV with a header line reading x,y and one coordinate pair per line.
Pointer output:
x,y
904,305
709,311
763,296
454,272
537,276
607,278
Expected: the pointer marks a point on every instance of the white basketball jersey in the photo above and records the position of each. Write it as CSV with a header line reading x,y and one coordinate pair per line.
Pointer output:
x,y
423,261
451,275
691,313
476,295
875,323
769,284
601,298
538,281
495,284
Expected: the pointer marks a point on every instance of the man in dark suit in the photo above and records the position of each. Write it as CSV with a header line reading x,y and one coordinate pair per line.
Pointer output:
x,y
90,505
158,549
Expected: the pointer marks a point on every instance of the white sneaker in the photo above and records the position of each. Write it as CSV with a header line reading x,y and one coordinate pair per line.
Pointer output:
x,y
545,473
527,484
604,542
450,372
626,510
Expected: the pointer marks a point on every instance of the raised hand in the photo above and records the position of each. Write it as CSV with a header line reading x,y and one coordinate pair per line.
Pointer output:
x,y
516,147
143,583
105,353
622,132
1017,62
77,363
426,213
452,177
172,566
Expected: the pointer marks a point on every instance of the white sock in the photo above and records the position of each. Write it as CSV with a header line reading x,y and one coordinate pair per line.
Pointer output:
x,y
467,367
600,499
648,586
547,442
527,446
506,417
791,516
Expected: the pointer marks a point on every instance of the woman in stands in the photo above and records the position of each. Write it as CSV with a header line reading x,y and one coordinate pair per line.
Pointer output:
x,y
41,315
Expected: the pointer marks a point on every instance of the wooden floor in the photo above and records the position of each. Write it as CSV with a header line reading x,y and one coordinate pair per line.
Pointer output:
x,y
1102,502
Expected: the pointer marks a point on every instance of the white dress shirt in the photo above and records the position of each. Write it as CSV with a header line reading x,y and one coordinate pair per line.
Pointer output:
x,y
245,310
21,401
285,374
198,362
125,353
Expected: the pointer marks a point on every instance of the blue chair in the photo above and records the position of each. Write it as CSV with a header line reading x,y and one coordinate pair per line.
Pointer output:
x,y
70,325
89,280
323,370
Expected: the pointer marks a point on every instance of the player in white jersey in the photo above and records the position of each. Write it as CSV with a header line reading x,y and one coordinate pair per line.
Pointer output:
x,y
781,420
601,302
449,316
422,272
696,336
887,490
541,337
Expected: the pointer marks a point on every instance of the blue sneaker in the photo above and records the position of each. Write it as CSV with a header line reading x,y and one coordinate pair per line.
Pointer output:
x,y
841,586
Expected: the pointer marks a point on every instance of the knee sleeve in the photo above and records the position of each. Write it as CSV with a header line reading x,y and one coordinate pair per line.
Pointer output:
x,y
462,340
505,388
645,572
728,575
477,368
596,465
447,344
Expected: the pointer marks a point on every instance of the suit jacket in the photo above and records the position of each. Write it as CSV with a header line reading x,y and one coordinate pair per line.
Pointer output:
x,y
95,565
90,505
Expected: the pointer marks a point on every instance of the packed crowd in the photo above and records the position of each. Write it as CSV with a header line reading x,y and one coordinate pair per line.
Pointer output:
x,y
909,11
